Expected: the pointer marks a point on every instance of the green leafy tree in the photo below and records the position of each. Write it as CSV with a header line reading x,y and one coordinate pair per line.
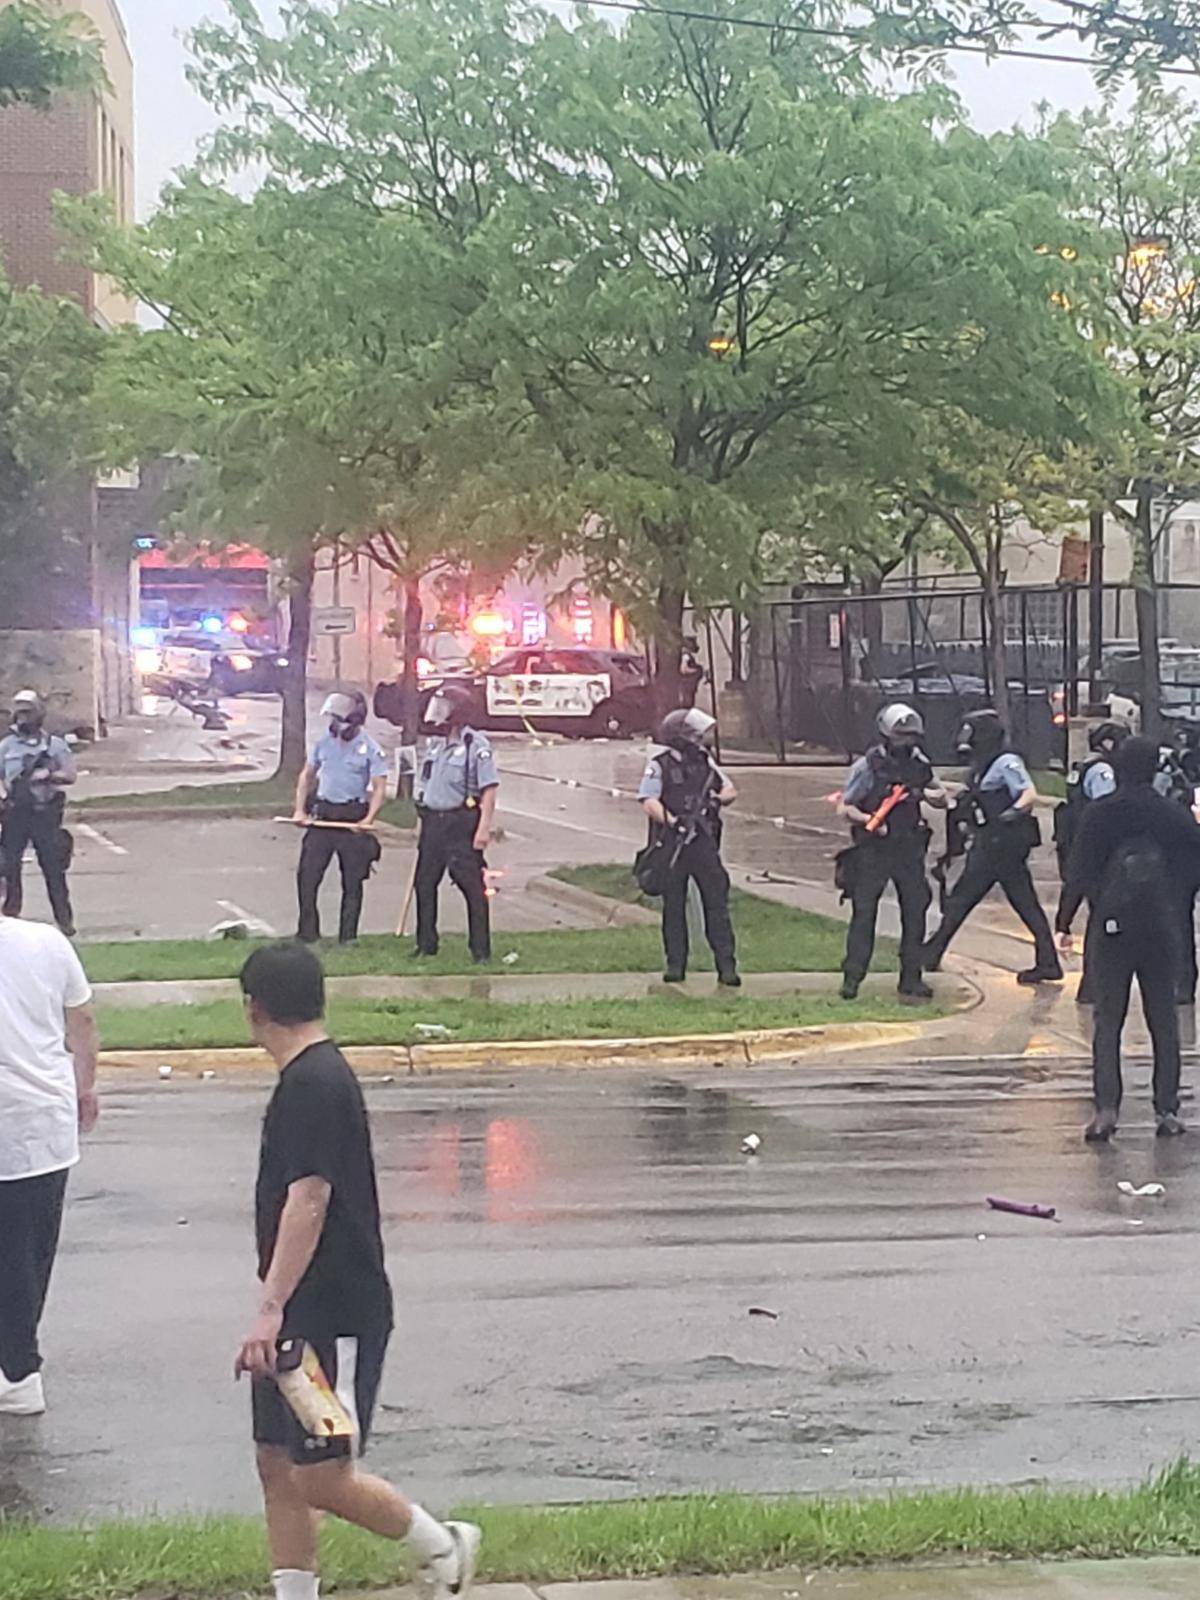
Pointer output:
x,y
1136,187
41,52
48,361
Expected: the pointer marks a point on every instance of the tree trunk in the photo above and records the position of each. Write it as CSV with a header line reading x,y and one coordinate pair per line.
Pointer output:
x,y
669,648
410,684
293,748
1145,598
997,646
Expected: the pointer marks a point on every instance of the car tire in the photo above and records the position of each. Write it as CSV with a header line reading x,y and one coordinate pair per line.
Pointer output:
x,y
608,721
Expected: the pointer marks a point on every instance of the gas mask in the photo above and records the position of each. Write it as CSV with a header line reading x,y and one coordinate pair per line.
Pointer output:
x,y
343,729
438,711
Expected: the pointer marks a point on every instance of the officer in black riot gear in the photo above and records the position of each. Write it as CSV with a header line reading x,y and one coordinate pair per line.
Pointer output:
x,y
882,802
1178,778
993,822
682,792
1089,780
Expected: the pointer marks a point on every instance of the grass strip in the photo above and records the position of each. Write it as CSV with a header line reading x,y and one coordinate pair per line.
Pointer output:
x,y
721,1534
771,938
217,1024
265,796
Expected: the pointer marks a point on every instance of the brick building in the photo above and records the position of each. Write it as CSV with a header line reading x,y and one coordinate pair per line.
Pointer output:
x,y
66,597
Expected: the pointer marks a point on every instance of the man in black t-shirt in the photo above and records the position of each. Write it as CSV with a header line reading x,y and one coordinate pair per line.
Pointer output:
x,y
325,1293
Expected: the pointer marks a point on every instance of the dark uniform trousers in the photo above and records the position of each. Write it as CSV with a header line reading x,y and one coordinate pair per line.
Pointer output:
x,y
898,859
1151,958
990,865
1185,992
447,844
30,1219
40,826
701,860
355,859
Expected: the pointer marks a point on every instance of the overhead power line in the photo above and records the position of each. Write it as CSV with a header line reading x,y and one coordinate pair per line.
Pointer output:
x,y
856,36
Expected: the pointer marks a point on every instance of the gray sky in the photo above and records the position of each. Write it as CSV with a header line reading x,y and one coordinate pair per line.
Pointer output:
x,y
171,117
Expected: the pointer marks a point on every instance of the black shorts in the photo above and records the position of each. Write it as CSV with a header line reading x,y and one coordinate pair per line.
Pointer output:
x,y
354,1367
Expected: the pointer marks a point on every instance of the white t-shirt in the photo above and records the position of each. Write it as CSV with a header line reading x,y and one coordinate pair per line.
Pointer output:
x,y
40,976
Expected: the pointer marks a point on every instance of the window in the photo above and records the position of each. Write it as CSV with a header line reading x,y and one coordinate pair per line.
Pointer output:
x,y
1043,612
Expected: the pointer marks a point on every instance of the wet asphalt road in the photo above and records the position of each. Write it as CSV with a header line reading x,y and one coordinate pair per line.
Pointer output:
x,y
575,1258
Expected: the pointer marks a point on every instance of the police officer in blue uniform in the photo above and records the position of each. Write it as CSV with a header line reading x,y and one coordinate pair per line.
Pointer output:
x,y
35,768
1091,779
895,774
345,782
457,788
996,812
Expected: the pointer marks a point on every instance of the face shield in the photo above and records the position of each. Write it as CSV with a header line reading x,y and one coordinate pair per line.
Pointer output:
x,y
438,711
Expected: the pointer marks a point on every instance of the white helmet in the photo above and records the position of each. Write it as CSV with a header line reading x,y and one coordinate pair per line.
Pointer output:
x,y
342,706
899,721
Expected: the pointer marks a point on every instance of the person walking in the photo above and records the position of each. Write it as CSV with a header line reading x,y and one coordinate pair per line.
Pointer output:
x,y
1136,860
457,788
1178,777
48,1098
35,768
996,811
344,782
882,802
683,792
325,1301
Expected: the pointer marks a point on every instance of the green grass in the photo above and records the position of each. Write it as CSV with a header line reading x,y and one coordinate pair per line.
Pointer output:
x,y
722,1534
218,1024
771,938
272,795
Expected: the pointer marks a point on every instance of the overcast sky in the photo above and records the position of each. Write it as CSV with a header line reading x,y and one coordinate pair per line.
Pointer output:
x,y
171,118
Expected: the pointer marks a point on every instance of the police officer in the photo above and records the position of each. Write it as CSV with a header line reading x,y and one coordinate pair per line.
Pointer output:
x,y
457,788
882,802
682,792
1135,859
1090,779
1178,778
996,812
35,768
344,782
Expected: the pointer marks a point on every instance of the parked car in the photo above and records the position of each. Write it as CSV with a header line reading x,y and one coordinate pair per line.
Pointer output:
x,y
223,664
580,692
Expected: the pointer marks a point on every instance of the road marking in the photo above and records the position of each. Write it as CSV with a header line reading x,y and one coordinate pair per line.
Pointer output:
x,y
88,832
255,924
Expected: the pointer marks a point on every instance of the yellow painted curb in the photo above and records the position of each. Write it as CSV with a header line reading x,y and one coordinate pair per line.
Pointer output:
x,y
699,1050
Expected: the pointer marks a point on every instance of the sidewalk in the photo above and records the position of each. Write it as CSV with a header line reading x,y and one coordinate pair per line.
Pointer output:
x,y
1068,1580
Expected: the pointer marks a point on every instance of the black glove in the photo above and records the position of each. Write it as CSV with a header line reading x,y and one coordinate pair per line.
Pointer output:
x,y
1013,814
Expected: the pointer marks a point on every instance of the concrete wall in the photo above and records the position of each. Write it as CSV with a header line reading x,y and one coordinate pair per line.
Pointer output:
x,y
62,665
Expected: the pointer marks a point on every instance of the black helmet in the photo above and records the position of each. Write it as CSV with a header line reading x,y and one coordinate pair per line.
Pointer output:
x,y
1186,736
680,728
981,735
1106,738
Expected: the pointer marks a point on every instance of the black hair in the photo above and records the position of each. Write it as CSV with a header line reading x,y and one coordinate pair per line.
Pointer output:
x,y
1136,760
287,981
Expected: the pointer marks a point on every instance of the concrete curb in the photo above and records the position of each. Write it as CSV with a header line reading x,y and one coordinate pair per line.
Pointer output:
x,y
391,1061
573,897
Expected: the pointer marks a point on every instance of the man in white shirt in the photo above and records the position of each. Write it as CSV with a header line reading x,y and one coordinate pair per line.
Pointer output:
x,y
48,1048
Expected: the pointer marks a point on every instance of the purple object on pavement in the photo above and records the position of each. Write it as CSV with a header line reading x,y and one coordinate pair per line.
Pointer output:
x,y
1019,1209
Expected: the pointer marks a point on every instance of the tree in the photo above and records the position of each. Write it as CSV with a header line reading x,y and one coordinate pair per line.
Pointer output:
x,y
322,414
691,260
40,53
48,360
1136,185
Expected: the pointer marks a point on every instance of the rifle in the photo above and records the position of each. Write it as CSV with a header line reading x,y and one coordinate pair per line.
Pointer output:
x,y
20,790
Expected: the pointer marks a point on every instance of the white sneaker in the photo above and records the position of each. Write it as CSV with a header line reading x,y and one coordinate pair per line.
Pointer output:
x,y
24,1399
450,1577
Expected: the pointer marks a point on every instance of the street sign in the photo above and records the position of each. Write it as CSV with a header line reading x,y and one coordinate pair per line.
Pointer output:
x,y
330,621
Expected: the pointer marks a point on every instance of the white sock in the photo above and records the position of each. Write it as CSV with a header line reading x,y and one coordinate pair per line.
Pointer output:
x,y
291,1584
427,1538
